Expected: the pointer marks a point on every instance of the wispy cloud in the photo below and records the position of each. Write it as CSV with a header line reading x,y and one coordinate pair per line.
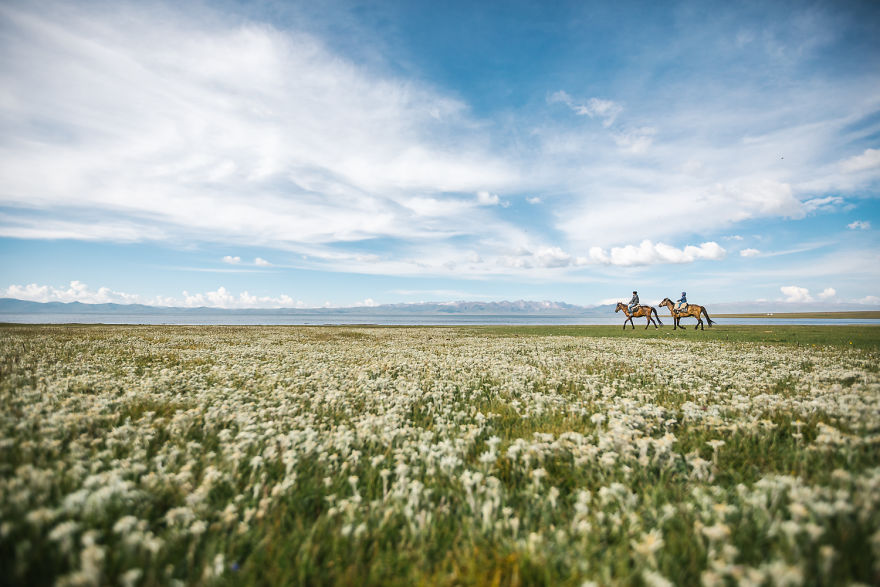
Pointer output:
x,y
605,110
663,214
750,253
823,204
635,140
168,124
179,124
859,225
231,260
445,294
870,159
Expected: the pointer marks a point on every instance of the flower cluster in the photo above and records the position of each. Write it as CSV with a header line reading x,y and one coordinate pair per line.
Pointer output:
x,y
142,455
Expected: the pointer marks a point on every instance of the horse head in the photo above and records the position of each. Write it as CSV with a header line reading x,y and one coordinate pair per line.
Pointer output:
x,y
619,307
665,302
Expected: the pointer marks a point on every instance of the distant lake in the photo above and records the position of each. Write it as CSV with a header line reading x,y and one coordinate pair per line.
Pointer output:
x,y
268,319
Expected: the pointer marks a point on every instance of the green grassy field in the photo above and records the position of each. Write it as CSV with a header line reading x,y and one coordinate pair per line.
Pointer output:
x,y
862,315
857,336
141,455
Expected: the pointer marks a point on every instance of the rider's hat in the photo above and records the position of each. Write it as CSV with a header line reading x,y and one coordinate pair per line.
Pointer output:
x,y
634,291
683,293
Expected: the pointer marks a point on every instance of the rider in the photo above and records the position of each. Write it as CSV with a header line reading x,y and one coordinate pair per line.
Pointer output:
x,y
682,304
634,303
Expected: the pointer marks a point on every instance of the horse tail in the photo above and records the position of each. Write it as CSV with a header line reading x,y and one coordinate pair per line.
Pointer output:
x,y
656,315
711,322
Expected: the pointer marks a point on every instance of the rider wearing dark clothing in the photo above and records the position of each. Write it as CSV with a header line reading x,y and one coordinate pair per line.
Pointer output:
x,y
634,302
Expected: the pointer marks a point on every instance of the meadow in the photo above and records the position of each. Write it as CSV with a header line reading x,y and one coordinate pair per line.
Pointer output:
x,y
147,455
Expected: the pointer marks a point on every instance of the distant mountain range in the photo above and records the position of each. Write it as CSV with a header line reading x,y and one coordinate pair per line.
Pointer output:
x,y
515,308
14,306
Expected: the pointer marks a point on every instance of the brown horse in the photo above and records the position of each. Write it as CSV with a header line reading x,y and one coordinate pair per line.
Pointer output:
x,y
642,312
693,311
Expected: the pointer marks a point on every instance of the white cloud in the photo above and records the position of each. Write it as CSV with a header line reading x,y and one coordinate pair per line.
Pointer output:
x,y
648,253
870,300
552,257
441,293
540,258
606,110
231,260
260,262
607,301
664,214
635,140
859,225
486,199
733,237
78,291
827,293
749,253
221,298
825,204
534,200
796,294
180,123
870,159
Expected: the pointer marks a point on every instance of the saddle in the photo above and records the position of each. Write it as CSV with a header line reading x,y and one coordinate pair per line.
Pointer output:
x,y
681,307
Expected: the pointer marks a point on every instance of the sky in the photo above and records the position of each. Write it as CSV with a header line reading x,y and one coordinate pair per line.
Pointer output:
x,y
268,154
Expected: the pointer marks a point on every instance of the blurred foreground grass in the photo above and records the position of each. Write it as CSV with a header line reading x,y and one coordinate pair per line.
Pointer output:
x,y
144,455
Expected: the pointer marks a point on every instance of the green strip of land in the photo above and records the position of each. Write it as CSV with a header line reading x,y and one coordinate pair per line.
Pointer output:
x,y
852,336
866,315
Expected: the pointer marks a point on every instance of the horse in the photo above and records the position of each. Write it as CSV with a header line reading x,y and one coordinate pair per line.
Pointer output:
x,y
693,311
643,311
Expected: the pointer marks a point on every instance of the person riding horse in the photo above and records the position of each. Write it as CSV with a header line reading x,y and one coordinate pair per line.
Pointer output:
x,y
634,303
682,304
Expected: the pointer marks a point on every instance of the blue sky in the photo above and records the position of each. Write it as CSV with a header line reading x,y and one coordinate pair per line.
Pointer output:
x,y
264,154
